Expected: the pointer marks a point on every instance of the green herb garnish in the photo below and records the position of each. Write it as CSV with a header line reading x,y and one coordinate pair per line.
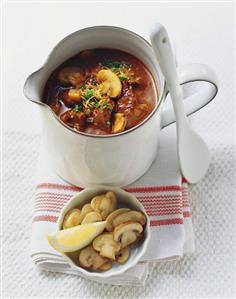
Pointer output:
x,y
112,64
108,123
78,108
106,105
88,93
126,66
122,78
83,87
115,65
96,104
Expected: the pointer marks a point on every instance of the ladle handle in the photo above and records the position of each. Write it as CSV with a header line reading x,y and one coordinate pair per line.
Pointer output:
x,y
164,54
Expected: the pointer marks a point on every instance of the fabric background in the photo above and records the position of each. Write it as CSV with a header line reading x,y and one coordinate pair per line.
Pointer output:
x,y
202,33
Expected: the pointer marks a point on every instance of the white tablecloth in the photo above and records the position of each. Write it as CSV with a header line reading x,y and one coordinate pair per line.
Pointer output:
x,y
202,33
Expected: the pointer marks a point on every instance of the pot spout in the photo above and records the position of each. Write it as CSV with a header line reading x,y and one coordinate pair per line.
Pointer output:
x,y
33,88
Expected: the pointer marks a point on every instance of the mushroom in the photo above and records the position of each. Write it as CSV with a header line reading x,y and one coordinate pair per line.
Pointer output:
x,y
106,266
110,83
112,216
104,204
119,123
123,255
127,233
130,216
106,245
92,217
71,219
84,211
111,195
71,74
95,202
89,258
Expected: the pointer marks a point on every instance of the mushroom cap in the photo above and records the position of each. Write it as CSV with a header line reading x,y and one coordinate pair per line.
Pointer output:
x,y
106,245
92,217
119,123
95,202
123,255
127,233
72,218
135,216
84,211
71,74
106,266
104,204
110,83
89,258
112,216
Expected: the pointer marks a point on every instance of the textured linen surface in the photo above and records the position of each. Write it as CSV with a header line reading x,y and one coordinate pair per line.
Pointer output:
x,y
209,272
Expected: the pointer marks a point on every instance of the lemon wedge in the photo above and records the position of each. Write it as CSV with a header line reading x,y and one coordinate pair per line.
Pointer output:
x,y
77,237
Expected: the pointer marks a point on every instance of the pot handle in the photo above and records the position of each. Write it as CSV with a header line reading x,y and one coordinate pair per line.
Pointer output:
x,y
206,93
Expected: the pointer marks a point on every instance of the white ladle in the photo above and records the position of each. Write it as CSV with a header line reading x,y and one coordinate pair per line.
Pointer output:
x,y
193,153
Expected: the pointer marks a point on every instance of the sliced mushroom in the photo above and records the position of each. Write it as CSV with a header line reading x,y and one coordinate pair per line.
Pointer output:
x,y
119,123
130,216
71,74
89,258
112,216
106,266
71,219
95,202
84,211
108,204
106,245
104,204
92,217
111,195
110,83
123,255
127,233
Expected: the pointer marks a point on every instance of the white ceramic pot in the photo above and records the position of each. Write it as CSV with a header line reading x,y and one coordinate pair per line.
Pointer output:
x,y
86,160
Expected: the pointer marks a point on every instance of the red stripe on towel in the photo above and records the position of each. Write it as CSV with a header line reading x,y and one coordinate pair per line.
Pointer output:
x,y
153,189
186,214
53,194
58,186
46,218
166,222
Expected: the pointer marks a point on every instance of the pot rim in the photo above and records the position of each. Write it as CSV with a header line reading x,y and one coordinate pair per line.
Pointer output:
x,y
156,108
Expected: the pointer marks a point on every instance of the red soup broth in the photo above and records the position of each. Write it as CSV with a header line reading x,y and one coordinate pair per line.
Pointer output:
x,y
101,91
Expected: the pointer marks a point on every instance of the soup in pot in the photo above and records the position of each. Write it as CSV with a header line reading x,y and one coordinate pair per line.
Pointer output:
x,y
101,91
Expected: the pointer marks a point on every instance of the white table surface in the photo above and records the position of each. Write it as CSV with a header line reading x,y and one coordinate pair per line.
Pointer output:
x,y
202,33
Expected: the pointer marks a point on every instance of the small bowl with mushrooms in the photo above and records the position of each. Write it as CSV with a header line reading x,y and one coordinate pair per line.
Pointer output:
x,y
121,236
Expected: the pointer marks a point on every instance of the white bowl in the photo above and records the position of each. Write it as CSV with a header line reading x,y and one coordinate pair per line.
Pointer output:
x,y
124,199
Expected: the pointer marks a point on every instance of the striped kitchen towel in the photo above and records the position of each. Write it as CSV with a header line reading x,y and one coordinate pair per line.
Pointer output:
x,y
163,193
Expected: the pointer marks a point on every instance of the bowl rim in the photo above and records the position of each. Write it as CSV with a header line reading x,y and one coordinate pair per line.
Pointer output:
x,y
138,256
